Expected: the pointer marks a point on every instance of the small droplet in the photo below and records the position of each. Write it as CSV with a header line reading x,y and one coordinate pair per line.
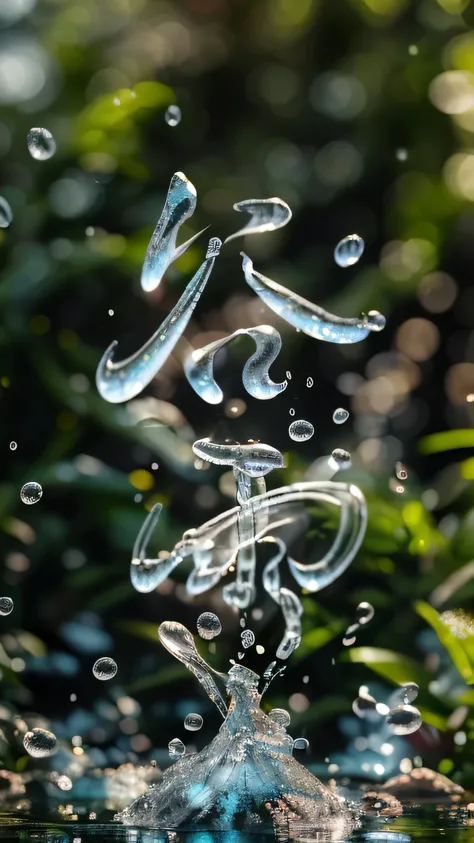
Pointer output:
x,y
111,312
404,720
401,154
365,612
6,213
31,493
280,716
365,707
300,430
405,694
208,625
248,638
39,743
292,411
309,382
193,722
349,640
105,668
340,459
288,376
375,321
300,743
340,415
260,650
173,115
176,747
41,144
13,446
64,783
6,606
401,471
349,250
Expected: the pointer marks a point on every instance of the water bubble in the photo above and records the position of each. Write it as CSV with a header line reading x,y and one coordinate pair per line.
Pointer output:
x,y
13,446
365,612
31,493
193,722
291,411
6,213
375,321
105,668
404,720
39,743
309,382
405,694
340,415
340,459
208,625
288,376
41,144
401,471
365,707
401,154
248,638
64,783
349,250
300,430
6,606
280,716
176,747
300,743
173,115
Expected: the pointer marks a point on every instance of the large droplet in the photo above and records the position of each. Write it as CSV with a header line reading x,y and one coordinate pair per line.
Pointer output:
x,y
300,430
173,115
39,743
13,446
6,213
365,612
340,415
365,707
208,625
176,747
349,250
41,144
31,493
340,459
6,606
404,720
105,668
280,716
404,695
266,215
300,743
193,722
248,638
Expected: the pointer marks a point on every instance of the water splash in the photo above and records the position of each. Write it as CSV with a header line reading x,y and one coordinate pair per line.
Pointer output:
x,y
123,380
254,459
306,316
199,366
289,603
180,204
266,215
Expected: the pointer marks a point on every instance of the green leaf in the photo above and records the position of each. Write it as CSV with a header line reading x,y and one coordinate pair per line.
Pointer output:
x,y
454,646
448,440
395,667
166,676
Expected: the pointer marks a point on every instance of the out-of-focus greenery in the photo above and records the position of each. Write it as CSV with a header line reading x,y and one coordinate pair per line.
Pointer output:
x,y
358,113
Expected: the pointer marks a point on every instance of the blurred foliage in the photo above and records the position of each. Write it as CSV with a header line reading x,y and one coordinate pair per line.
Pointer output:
x,y
360,114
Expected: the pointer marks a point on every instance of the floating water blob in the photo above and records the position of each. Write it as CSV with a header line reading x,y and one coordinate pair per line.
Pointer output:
x,y
120,381
31,493
13,446
309,382
162,251
404,695
300,743
6,606
404,720
365,706
266,215
41,144
401,471
365,612
173,115
39,743
208,625
349,250
6,213
340,459
248,638
306,316
199,366
176,747
280,716
300,430
105,668
147,572
193,722
340,415
255,459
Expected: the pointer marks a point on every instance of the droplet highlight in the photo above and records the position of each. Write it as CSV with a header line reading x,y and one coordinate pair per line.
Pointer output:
x,y
173,115
193,722
340,415
41,144
31,493
349,250
301,430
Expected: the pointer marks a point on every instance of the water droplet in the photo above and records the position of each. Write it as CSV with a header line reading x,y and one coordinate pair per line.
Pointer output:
x,y
404,720
340,415
64,783
365,707
300,430
309,382
266,215
6,213
176,747
404,695
208,625
401,471
300,743
248,638
401,154
199,366
41,144
288,376
105,668
292,411
13,446
365,612
193,722
39,743
260,650
349,640
253,459
6,606
280,716
340,459
31,493
173,115
349,250
306,316
111,312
